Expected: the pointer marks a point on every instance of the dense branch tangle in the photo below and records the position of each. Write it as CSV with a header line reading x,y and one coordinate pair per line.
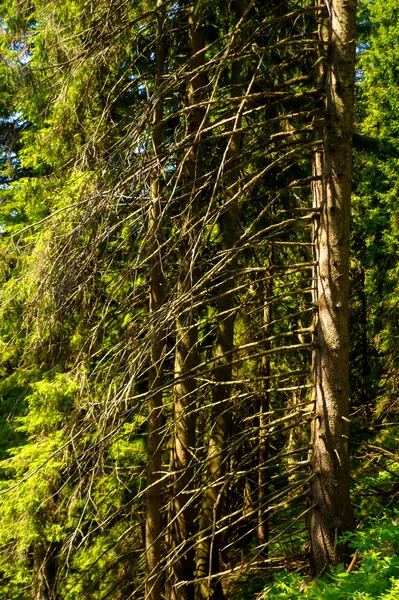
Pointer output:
x,y
190,238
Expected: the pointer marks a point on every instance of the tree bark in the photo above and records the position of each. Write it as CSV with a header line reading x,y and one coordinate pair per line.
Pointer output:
x,y
186,358
155,373
330,461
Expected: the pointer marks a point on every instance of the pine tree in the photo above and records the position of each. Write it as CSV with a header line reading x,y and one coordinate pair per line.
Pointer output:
x,y
332,512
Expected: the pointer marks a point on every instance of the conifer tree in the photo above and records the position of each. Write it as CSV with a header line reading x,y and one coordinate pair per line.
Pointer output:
x,y
163,293
332,512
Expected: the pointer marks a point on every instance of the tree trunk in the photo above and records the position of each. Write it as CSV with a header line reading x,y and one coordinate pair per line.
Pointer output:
x,y
263,526
332,513
45,568
155,373
208,550
187,332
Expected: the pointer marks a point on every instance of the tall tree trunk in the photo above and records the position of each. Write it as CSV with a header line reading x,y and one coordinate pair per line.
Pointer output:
x,y
208,550
186,329
332,513
264,408
155,373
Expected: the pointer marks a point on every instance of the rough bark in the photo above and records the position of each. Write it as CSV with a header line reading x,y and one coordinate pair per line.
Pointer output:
x,y
187,332
330,461
155,373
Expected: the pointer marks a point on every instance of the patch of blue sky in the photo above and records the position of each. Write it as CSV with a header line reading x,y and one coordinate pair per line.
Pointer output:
x,y
172,11
140,149
14,118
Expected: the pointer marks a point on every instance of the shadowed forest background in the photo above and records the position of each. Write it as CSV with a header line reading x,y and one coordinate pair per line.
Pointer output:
x,y
199,324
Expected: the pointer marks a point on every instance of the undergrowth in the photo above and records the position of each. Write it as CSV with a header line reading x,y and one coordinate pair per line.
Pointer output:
x,y
376,576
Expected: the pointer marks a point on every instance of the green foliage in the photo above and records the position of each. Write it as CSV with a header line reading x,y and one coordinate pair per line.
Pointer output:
x,y
375,206
75,77
375,578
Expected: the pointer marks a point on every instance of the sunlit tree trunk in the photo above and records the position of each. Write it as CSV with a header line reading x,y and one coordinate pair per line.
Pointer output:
x,y
332,513
186,358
